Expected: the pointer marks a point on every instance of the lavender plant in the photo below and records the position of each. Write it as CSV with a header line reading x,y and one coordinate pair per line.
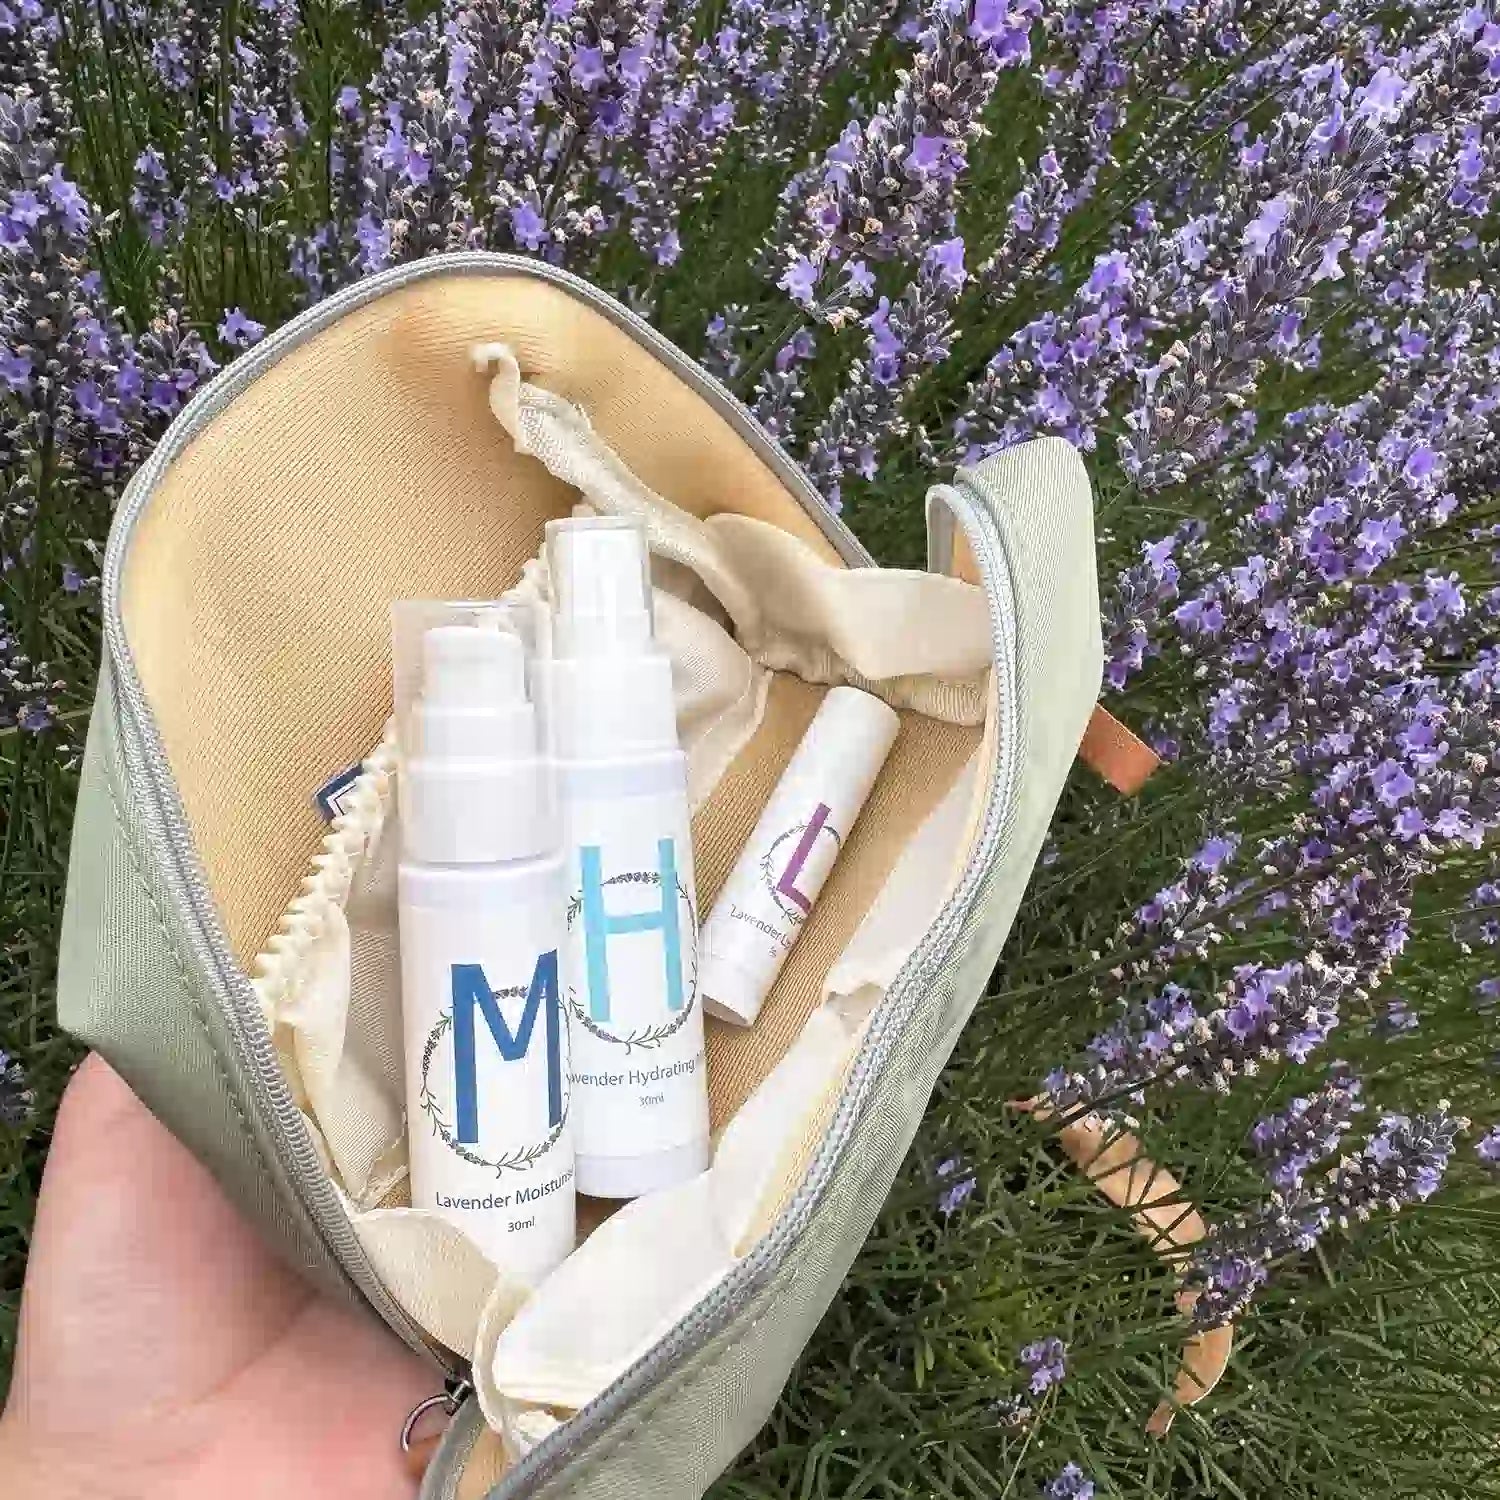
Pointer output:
x,y
1241,255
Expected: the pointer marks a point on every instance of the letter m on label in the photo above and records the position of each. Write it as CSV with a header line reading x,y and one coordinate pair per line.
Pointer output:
x,y
471,992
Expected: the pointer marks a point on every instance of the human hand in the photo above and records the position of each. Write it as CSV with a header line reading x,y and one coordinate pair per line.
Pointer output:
x,y
165,1351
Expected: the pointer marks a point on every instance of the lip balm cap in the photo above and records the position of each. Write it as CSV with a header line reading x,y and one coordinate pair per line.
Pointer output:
x,y
857,724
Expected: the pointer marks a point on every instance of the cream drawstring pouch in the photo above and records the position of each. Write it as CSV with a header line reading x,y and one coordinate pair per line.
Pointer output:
x,y
918,640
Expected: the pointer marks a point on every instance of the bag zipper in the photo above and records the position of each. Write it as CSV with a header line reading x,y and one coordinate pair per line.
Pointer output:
x,y
456,1390
255,1059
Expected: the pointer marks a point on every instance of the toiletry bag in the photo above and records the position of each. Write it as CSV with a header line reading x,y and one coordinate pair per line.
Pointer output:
x,y
366,453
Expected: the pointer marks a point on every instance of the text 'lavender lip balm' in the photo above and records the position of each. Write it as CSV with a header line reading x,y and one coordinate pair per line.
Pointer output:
x,y
770,892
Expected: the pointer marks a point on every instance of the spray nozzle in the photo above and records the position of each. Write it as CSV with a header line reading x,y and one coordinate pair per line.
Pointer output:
x,y
601,585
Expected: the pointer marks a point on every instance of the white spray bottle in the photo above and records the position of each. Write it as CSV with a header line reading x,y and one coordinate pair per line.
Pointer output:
x,y
481,903
629,970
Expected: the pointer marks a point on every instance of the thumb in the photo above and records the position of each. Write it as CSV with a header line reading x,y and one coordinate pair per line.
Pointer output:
x,y
144,1287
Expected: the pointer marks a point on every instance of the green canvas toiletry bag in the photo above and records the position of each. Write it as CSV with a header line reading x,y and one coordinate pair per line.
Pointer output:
x,y
231,951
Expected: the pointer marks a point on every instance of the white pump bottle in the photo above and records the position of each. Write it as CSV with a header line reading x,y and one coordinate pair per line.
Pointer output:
x,y
630,953
481,902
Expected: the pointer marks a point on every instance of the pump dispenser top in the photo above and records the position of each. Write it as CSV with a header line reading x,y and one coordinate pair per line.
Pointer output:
x,y
475,787
611,683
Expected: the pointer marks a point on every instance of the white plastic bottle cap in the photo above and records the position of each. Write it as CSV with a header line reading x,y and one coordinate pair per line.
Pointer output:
x,y
474,662
601,586
474,788
610,684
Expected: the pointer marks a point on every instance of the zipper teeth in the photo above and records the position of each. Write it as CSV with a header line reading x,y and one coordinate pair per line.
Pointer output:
x,y
884,1032
327,886
271,1097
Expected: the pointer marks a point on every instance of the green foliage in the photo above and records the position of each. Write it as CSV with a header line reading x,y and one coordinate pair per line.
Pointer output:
x,y
1371,1367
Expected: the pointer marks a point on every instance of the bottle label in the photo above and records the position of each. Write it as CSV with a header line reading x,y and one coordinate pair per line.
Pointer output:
x,y
537,1011
766,902
797,862
487,1065
630,979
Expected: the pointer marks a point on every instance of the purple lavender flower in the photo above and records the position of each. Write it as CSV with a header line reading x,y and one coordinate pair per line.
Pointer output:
x,y
1480,927
414,189
1044,1363
239,330
1487,1148
1261,1014
1398,1017
1402,1162
905,340
958,1182
886,190
153,200
1308,1130
1141,598
1303,209
16,1099
1070,1484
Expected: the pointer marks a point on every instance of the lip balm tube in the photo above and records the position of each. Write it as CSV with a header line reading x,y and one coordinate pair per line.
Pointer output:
x,y
630,954
480,907
770,892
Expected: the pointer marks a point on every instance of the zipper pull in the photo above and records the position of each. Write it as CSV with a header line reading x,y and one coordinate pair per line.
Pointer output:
x,y
419,1450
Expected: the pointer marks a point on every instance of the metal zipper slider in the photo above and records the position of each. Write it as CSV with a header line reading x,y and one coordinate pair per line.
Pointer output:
x,y
419,1451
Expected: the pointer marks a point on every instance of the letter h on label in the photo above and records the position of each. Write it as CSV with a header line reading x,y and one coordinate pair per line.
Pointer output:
x,y
599,926
471,990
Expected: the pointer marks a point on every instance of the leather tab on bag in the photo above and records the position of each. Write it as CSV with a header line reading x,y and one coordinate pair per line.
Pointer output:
x,y
1123,760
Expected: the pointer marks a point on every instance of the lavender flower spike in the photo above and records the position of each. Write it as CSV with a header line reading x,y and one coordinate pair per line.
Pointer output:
x,y
16,1099
1403,1162
1070,1484
959,1183
1044,1362
1308,1130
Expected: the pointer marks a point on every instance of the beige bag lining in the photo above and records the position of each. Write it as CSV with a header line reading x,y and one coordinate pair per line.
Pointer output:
x,y
366,466
257,586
